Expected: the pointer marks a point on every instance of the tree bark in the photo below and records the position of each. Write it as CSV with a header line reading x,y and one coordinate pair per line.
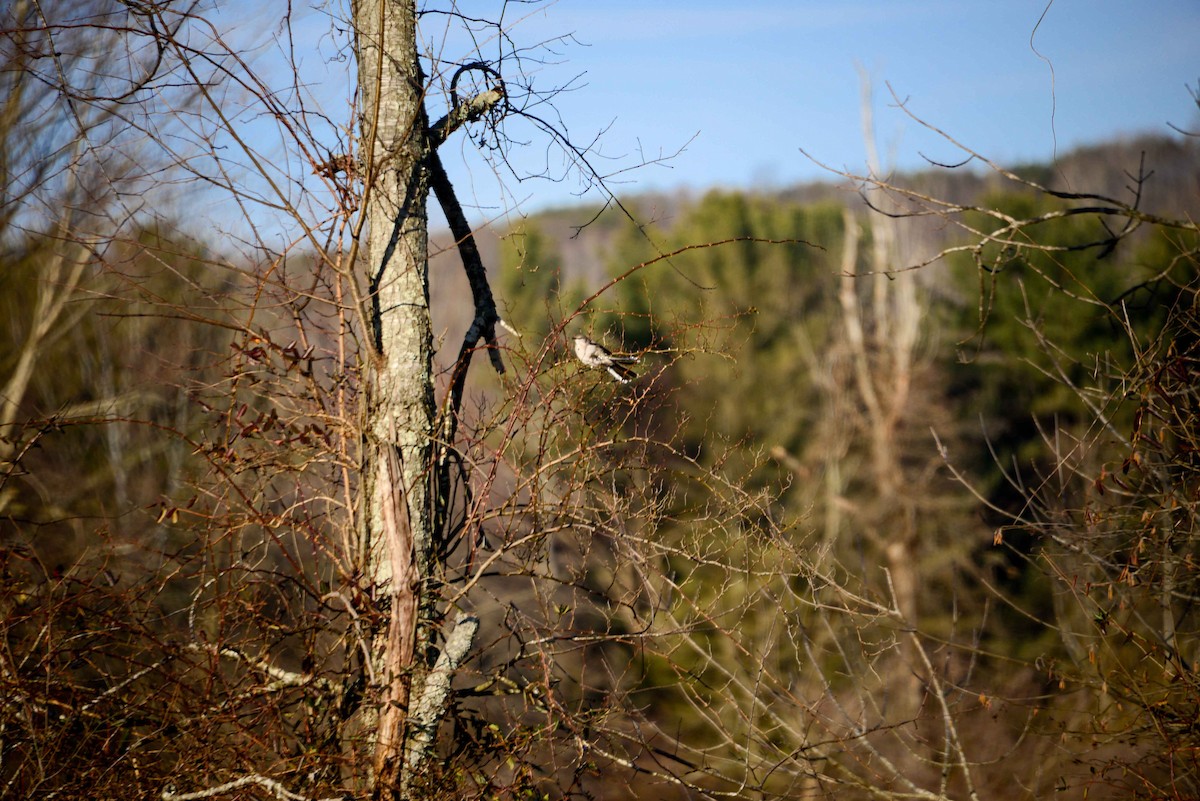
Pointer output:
x,y
396,527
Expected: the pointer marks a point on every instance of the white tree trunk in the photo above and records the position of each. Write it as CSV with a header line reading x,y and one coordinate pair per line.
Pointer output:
x,y
396,526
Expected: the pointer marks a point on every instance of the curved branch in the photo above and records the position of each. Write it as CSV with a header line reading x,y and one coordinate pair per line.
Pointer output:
x,y
463,112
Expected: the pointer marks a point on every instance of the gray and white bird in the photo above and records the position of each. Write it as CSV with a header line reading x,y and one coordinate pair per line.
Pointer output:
x,y
593,354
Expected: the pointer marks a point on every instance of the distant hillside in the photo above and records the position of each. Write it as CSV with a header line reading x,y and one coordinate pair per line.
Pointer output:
x,y
583,239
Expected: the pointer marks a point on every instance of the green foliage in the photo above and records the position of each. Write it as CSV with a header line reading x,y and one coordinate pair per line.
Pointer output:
x,y
740,317
1051,320
531,282
634,310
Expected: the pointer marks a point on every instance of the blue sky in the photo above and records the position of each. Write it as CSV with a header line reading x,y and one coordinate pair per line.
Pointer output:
x,y
736,92
745,89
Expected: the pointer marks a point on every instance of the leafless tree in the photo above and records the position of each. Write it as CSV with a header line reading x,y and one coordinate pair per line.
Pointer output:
x,y
293,616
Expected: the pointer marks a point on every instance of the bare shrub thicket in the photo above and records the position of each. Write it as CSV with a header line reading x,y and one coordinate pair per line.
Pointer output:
x,y
1095,513
283,541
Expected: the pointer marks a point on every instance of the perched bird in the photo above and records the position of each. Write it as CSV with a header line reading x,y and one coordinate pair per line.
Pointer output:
x,y
593,354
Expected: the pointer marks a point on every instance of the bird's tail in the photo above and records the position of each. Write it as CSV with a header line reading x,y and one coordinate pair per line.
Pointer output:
x,y
621,373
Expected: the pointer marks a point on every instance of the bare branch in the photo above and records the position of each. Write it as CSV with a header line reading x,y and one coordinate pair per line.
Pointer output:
x,y
428,709
274,787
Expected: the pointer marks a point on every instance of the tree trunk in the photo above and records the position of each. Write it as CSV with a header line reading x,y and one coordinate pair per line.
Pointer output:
x,y
396,525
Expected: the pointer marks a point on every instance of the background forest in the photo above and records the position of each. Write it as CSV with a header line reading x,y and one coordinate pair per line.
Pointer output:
x,y
901,504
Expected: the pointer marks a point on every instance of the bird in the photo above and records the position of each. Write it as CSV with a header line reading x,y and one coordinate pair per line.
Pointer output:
x,y
593,354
